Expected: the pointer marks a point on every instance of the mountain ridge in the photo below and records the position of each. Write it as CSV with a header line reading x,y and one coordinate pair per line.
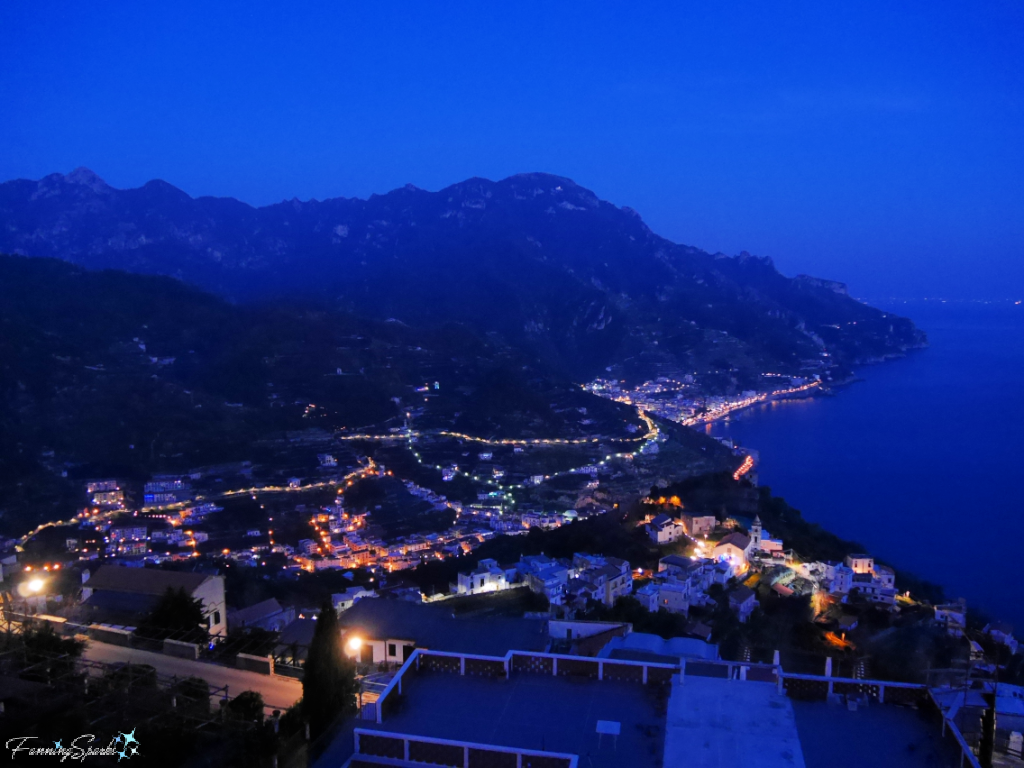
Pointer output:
x,y
535,258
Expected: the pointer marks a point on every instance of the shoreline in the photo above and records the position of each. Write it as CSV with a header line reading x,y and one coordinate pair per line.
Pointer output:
x,y
978,611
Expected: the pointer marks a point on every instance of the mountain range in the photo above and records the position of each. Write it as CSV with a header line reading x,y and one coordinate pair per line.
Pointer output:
x,y
535,261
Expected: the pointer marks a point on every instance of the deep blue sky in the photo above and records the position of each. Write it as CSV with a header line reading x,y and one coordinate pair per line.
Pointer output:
x,y
877,143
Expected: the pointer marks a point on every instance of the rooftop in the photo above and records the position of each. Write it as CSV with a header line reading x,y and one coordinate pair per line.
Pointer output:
x,y
641,646
882,736
716,722
143,581
430,626
553,714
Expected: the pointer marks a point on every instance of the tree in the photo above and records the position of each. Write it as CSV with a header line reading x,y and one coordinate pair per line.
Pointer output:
x,y
177,616
51,655
247,707
328,682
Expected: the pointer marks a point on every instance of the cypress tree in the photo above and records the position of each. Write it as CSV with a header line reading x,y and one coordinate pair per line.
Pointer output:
x,y
328,682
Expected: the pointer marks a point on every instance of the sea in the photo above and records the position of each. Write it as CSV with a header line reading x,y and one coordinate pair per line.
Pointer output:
x,y
922,459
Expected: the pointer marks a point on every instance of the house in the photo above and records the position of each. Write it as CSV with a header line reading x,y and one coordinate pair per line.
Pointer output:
x,y
342,601
544,576
128,532
953,617
866,585
117,595
674,565
860,563
605,579
664,530
1002,633
612,581
841,580
698,525
733,549
268,615
743,601
375,631
673,596
488,576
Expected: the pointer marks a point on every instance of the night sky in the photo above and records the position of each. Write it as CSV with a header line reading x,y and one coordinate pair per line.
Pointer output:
x,y
877,143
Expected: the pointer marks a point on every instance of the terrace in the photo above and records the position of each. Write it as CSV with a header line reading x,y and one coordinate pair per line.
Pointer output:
x,y
539,710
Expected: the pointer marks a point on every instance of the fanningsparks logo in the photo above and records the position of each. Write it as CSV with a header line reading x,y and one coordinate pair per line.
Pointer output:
x,y
123,746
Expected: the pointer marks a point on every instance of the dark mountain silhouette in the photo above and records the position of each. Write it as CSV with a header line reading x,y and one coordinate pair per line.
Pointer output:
x,y
534,258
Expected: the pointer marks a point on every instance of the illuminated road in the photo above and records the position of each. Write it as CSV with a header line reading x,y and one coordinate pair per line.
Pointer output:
x,y
737,405
278,692
746,466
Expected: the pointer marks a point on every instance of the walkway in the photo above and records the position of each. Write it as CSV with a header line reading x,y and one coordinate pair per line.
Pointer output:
x,y
278,692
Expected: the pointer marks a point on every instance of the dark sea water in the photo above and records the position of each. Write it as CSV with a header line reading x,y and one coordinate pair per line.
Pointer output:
x,y
922,462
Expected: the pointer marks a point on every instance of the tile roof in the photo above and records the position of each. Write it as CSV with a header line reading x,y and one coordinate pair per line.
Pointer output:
x,y
143,581
736,539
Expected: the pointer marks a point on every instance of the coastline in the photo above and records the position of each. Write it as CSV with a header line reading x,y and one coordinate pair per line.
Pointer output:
x,y
908,467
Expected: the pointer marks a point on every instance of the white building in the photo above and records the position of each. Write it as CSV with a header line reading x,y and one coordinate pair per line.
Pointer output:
x,y
733,549
743,601
664,530
486,577
673,596
953,617
342,601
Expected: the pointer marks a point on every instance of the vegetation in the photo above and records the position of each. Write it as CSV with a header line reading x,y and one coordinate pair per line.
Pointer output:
x,y
108,373
177,616
247,707
328,682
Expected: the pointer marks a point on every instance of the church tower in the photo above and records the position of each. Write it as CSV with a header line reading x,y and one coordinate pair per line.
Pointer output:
x,y
755,534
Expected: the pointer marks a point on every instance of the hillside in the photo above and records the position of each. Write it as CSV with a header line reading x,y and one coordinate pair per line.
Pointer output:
x,y
112,373
535,259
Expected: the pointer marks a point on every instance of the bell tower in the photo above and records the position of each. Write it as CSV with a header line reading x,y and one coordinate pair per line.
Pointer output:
x,y
755,534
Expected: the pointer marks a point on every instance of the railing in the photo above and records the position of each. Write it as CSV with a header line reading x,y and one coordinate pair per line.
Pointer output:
x,y
447,752
966,752
904,693
396,682
815,686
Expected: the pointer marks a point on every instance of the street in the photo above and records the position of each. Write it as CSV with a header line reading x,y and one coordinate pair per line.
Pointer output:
x,y
278,692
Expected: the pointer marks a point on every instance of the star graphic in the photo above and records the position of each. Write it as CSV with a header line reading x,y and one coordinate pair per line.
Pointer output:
x,y
120,755
133,749
56,744
129,738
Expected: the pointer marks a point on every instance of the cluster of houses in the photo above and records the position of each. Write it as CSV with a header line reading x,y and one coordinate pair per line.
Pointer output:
x,y
683,581
343,542
681,400
572,583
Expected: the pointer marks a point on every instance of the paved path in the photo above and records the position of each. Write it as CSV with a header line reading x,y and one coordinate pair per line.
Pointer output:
x,y
278,692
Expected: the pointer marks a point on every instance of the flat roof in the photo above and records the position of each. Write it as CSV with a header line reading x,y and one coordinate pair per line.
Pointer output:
x,y
539,712
879,735
714,722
